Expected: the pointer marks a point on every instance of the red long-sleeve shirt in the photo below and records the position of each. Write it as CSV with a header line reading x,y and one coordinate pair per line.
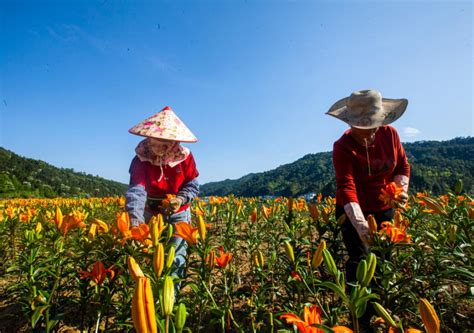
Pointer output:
x,y
353,183
148,175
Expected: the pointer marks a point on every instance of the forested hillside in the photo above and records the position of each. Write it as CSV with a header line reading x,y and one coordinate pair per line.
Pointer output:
x,y
25,177
435,167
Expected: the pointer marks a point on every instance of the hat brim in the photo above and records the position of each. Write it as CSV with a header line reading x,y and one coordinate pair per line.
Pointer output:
x,y
164,139
392,109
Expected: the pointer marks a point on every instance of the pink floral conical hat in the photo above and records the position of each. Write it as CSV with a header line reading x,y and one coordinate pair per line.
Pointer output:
x,y
164,125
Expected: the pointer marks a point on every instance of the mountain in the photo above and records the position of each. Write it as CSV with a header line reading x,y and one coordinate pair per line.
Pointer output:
x,y
25,177
435,167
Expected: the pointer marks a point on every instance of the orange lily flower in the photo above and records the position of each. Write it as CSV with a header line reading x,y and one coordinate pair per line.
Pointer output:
x,y
71,221
123,224
10,212
224,258
397,235
103,227
319,197
187,232
390,194
266,211
342,329
300,204
325,213
98,273
296,276
408,330
140,232
312,315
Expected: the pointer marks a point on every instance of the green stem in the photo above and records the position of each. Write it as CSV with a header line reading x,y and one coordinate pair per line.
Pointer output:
x,y
97,323
209,293
355,321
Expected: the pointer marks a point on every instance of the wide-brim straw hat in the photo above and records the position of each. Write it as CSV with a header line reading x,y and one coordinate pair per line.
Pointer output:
x,y
164,125
367,109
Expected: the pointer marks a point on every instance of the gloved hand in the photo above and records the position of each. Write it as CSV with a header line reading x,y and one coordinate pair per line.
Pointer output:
x,y
403,198
175,205
401,202
364,235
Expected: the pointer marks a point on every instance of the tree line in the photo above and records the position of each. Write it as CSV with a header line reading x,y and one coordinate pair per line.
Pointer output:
x,y
25,177
435,167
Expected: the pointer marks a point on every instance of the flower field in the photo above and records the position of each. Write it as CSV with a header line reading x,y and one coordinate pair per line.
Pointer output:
x,y
254,265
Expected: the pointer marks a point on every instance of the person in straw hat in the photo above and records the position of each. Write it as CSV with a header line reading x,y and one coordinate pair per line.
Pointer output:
x,y
162,167
367,157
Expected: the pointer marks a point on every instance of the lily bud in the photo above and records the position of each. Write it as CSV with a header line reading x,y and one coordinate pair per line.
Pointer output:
x,y
372,224
154,234
92,231
458,187
340,220
170,232
289,251
168,296
434,205
159,259
134,269
314,212
143,307
211,260
258,259
290,204
384,314
318,255
39,227
253,215
452,232
59,218
180,318
371,265
239,209
201,228
429,316
361,270
261,259
329,261
170,259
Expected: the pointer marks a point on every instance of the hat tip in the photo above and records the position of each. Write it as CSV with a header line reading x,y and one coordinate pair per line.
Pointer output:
x,y
166,108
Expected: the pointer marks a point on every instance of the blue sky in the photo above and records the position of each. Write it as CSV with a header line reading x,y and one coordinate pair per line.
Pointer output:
x,y
252,79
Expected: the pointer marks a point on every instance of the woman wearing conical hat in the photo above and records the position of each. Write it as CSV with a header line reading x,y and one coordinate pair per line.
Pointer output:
x,y
366,158
162,167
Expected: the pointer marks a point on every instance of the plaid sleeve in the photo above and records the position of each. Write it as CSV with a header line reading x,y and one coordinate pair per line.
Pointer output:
x,y
135,199
189,191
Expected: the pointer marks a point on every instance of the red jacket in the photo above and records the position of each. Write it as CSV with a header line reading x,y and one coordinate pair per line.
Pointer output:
x,y
147,175
353,183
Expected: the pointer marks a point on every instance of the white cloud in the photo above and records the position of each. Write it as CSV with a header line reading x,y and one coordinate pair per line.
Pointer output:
x,y
411,132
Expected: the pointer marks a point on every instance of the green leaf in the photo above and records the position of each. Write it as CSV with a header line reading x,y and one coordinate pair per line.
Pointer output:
x,y
365,299
37,315
335,288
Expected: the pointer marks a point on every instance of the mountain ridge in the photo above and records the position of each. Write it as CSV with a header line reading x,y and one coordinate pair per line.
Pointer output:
x,y
436,166
26,177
